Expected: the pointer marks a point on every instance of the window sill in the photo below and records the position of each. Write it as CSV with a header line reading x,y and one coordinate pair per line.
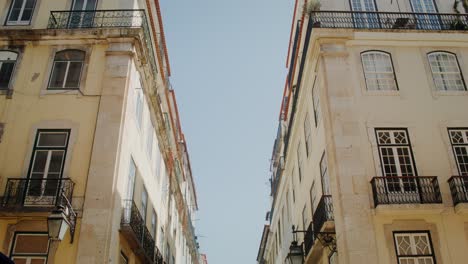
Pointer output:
x,y
451,93
7,92
65,92
382,93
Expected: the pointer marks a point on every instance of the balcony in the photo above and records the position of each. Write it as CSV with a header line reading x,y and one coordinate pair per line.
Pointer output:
x,y
388,20
406,190
133,228
323,215
122,18
308,239
31,195
459,189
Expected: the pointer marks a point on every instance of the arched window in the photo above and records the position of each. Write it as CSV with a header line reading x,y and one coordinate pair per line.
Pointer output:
x,y
66,71
446,71
7,65
378,71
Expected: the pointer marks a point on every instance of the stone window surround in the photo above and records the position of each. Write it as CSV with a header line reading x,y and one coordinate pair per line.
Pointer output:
x,y
390,57
84,71
359,70
424,52
16,70
416,225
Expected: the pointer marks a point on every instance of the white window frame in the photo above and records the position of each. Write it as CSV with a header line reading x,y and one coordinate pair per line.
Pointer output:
x,y
139,102
65,78
19,22
441,75
396,146
16,55
459,148
316,105
324,175
307,135
371,60
28,256
414,255
299,161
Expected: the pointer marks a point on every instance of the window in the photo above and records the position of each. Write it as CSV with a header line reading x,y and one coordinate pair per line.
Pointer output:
x,y
154,225
279,232
446,71
313,198
378,71
293,187
304,217
30,248
21,12
299,161
413,247
144,203
123,258
2,128
66,71
396,159
324,175
307,135
333,258
46,167
131,180
459,140
7,65
139,106
149,141
316,105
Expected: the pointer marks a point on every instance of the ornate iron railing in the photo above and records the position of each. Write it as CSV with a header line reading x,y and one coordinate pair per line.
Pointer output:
x,y
389,20
309,239
323,213
131,217
118,18
36,194
158,258
406,190
459,189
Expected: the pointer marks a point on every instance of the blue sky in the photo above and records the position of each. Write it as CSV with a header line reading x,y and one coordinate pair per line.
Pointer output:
x,y
228,69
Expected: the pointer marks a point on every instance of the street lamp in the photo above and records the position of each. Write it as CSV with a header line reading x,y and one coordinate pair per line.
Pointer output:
x,y
57,223
296,255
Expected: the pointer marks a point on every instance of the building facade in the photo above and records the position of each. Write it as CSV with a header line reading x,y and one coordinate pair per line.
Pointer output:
x,y
90,134
370,161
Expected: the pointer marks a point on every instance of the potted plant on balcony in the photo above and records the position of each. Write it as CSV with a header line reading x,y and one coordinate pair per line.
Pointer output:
x,y
311,7
457,23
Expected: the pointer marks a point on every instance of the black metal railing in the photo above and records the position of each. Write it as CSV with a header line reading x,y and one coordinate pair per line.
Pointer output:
x,y
32,194
158,258
132,218
323,213
308,239
406,190
118,18
459,189
389,20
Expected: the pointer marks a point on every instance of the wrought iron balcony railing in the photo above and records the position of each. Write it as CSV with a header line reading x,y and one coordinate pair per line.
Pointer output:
x,y
122,18
132,220
37,194
406,190
323,213
459,189
309,239
389,20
